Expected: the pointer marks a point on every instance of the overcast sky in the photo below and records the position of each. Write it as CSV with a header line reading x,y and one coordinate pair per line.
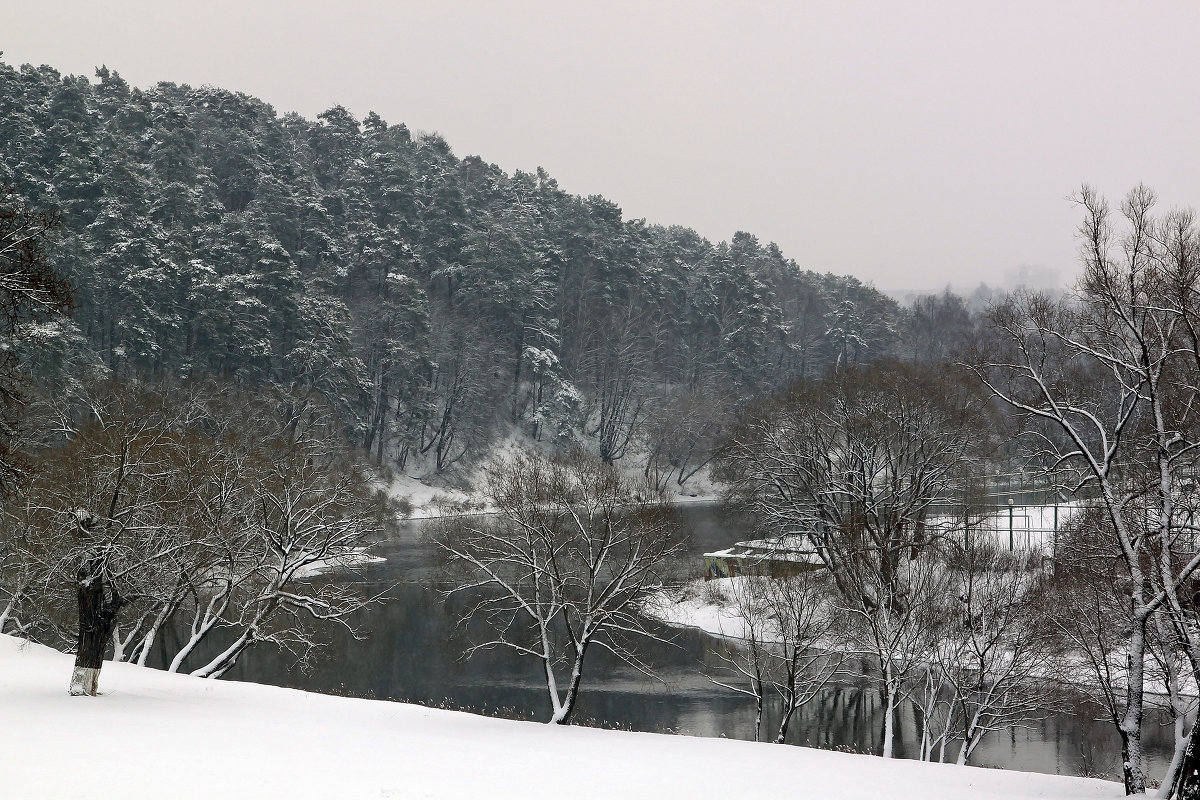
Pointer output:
x,y
910,144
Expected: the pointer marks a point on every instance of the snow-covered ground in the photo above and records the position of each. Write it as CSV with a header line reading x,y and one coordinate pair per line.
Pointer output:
x,y
430,500
707,605
154,735
431,495
350,560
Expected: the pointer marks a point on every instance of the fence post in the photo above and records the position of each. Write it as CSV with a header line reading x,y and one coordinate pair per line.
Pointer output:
x,y
1010,524
1054,540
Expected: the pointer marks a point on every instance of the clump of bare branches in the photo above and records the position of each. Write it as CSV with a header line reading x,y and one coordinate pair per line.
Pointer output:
x,y
198,505
1107,380
793,645
856,464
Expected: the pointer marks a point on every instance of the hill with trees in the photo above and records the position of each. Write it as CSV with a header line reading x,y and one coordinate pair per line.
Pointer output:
x,y
433,300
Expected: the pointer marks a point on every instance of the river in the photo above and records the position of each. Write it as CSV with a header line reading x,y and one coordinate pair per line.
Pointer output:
x,y
411,651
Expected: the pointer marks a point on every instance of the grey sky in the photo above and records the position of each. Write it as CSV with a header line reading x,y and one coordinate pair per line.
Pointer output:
x,y
911,144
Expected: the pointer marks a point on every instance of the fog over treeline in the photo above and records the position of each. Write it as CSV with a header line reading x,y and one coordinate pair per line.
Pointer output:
x,y
433,300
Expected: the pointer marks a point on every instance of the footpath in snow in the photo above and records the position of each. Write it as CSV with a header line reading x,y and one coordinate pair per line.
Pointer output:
x,y
156,735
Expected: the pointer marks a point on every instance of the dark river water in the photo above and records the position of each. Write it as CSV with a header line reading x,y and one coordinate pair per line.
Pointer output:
x,y
412,651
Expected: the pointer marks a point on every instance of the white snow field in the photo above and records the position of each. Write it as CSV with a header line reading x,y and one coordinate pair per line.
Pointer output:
x,y
157,735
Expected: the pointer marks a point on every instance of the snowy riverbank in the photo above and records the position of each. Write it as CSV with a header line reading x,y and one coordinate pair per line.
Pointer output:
x,y
427,500
153,735
707,605
426,494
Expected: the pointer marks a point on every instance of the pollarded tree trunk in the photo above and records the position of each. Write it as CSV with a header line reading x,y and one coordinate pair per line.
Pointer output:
x,y
98,609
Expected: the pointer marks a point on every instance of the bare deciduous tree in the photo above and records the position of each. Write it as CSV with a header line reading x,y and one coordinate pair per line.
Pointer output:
x,y
1109,378
615,372
682,432
101,514
993,645
564,565
311,504
158,502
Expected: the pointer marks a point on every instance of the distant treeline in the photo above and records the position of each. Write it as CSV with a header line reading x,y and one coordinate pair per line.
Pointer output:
x,y
433,300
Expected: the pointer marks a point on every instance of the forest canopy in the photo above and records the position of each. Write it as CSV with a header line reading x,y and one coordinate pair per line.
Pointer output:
x,y
431,299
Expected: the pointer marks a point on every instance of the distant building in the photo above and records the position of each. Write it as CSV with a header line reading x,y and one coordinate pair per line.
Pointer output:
x,y
1030,528
776,557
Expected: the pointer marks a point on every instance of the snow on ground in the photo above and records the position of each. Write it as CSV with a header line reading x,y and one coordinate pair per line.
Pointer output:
x,y
155,735
431,495
357,558
707,605
429,500
700,488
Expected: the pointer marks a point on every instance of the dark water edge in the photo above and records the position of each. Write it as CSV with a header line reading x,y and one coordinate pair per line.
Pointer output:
x,y
411,651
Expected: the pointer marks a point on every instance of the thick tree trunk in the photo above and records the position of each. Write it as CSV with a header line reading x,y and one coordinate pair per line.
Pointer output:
x,y
1130,727
98,611
789,708
889,712
1186,785
781,734
563,717
1131,761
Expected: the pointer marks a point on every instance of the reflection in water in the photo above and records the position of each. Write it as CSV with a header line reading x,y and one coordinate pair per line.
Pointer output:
x,y
413,652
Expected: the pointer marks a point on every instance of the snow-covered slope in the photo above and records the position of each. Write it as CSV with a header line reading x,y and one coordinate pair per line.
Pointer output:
x,y
156,735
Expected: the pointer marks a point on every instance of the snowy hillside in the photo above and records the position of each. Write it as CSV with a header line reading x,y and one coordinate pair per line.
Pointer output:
x,y
155,735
